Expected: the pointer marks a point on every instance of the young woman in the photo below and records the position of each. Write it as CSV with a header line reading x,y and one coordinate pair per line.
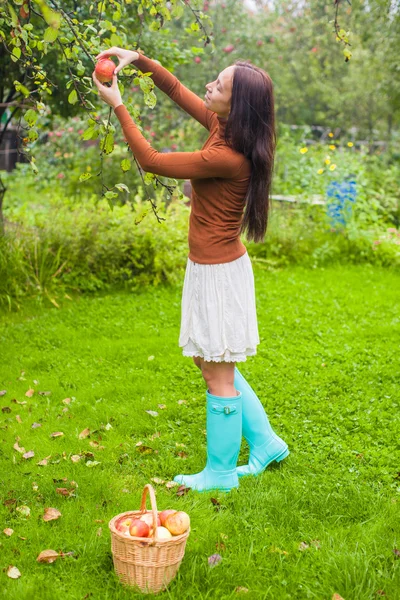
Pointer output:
x,y
230,175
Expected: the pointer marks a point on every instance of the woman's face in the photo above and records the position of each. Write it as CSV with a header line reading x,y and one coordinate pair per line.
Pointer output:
x,y
219,93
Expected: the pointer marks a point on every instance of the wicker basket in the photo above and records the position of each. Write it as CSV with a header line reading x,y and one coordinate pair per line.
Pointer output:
x,y
146,563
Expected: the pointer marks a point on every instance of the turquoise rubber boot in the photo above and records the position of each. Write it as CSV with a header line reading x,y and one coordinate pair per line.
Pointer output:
x,y
224,436
265,445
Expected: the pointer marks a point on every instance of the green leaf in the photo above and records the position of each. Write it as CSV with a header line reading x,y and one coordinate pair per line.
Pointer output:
x,y
73,97
31,117
50,35
107,143
116,40
154,26
177,12
122,187
16,52
33,135
34,167
126,165
194,27
109,197
21,88
150,99
85,176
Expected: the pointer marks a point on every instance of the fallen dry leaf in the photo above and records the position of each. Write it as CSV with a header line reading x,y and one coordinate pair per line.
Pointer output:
x,y
99,531
66,401
150,358
18,402
144,449
380,593
44,393
35,425
51,514
155,435
99,520
29,454
241,590
13,572
396,552
84,434
158,480
153,413
56,434
214,560
8,531
18,418
48,556
24,510
182,454
3,392
182,489
43,463
316,544
182,402
278,550
6,409
64,491
171,484
76,458
30,393
19,448
162,406
303,546
220,546
337,597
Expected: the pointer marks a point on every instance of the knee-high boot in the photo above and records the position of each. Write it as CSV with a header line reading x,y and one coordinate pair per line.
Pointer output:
x,y
265,445
224,435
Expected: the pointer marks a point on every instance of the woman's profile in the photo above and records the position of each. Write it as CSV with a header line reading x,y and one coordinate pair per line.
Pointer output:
x,y
231,179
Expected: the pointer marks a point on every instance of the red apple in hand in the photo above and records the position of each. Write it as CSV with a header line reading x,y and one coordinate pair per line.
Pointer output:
x,y
104,69
139,528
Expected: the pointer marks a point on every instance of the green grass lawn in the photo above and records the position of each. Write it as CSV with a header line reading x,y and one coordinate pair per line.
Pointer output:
x,y
326,520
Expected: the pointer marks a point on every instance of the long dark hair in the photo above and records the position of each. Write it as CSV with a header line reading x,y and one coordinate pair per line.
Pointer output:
x,y
250,129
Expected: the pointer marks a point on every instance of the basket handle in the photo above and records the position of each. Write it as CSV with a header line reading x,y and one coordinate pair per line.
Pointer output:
x,y
148,489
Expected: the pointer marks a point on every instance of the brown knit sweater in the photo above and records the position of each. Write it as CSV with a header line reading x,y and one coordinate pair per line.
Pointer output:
x,y
219,175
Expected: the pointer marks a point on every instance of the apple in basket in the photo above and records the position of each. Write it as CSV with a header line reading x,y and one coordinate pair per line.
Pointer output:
x,y
162,533
139,528
178,522
123,525
164,514
148,518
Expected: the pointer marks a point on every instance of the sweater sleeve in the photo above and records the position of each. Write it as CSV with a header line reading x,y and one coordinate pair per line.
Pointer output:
x,y
170,85
212,162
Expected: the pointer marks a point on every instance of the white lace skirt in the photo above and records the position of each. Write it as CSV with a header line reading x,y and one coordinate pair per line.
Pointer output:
x,y
219,318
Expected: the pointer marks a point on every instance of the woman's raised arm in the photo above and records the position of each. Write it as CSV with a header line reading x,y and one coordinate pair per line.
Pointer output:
x,y
165,81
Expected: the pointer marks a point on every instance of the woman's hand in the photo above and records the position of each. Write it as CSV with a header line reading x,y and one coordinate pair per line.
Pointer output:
x,y
110,95
125,57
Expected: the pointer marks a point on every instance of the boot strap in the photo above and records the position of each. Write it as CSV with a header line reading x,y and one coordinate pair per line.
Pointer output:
x,y
227,409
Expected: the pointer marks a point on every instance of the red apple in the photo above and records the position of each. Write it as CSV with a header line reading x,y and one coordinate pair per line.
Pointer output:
x,y
259,42
314,49
104,69
228,48
139,528
148,518
197,59
178,522
123,525
164,515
